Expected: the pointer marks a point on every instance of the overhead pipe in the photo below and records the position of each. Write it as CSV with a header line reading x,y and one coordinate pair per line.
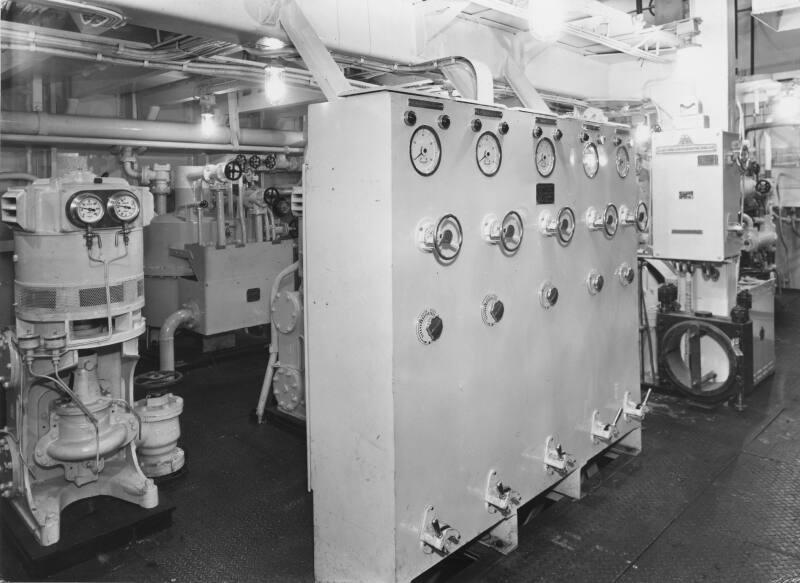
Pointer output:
x,y
45,124
18,176
153,144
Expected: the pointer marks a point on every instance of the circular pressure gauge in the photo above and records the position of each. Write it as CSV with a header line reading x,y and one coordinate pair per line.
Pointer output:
x,y
123,206
87,209
623,161
545,157
591,160
425,150
488,154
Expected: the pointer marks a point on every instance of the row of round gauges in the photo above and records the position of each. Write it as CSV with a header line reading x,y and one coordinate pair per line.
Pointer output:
x,y
425,150
445,237
429,325
89,208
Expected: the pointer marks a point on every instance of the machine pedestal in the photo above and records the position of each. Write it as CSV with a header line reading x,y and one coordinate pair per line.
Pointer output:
x,y
90,526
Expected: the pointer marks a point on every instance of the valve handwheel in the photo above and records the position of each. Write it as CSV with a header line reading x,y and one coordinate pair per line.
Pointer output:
x,y
157,379
233,170
241,159
447,238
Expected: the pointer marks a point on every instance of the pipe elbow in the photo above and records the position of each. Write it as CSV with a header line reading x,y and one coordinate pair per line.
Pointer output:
x,y
183,318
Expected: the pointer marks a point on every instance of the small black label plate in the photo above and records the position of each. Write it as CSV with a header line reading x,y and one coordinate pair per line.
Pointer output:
x,y
546,193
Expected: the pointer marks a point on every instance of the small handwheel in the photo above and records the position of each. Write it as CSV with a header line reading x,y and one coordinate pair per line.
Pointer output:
x,y
511,232
157,379
233,170
255,162
447,238
241,159
271,195
270,161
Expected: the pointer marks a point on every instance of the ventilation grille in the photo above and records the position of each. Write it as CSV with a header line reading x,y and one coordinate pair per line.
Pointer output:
x,y
70,299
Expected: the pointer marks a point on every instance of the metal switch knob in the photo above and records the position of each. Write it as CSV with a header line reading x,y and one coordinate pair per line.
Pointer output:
x,y
435,327
595,282
548,295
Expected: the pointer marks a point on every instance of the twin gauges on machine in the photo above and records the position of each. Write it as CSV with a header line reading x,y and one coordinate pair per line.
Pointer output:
x,y
102,208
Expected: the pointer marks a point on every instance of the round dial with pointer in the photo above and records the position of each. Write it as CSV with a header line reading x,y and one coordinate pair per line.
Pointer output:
x,y
123,206
488,154
425,150
87,209
545,157
623,161
591,160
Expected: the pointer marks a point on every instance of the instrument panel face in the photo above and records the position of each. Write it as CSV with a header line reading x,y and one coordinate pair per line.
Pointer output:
x,y
623,161
425,150
488,154
545,157
591,160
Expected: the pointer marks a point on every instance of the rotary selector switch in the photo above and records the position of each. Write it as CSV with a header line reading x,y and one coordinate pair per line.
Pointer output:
x,y
492,310
626,274
548,295
561,225
429,326
595,282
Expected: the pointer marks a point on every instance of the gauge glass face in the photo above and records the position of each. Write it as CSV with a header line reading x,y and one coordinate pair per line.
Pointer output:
x,y
545,157
88,209
511,232
124,207
488,154
623,161
591,160
425,150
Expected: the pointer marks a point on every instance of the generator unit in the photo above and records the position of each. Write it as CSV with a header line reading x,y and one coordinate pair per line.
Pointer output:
x,y
471,321
72,426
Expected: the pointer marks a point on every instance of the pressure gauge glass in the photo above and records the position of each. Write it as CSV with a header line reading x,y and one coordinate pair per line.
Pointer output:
x,y
87,209
488,154
123,206
623,161
425,150
545,157
591,160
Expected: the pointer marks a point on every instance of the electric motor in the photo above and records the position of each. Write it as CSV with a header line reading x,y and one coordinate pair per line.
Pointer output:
x,y
78,258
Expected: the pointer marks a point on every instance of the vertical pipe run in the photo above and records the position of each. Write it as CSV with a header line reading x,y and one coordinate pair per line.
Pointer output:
x,y
220,201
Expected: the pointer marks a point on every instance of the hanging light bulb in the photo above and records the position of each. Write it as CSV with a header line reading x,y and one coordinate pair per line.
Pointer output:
x,y
207,122
546,19
274,84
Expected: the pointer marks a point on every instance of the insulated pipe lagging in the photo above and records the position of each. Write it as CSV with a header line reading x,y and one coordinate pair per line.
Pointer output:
x,y
45,124
166,336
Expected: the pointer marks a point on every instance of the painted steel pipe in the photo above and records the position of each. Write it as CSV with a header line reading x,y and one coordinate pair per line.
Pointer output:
x,y
166,336
45,124
153,144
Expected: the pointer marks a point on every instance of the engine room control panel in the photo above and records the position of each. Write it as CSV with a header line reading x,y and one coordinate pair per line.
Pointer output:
x,y
483,313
